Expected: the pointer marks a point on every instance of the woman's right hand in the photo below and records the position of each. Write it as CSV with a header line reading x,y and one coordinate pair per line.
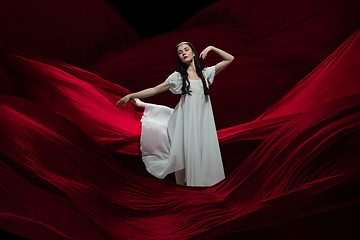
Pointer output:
x,y
123,100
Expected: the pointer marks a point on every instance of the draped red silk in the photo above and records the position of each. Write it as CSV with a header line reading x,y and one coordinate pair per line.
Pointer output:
x,y
287,110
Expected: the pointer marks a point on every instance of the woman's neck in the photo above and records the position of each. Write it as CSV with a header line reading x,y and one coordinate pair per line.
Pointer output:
x,y
191,67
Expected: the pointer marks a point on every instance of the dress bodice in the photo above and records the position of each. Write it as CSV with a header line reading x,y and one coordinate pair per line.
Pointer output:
x,y
175,81
196,87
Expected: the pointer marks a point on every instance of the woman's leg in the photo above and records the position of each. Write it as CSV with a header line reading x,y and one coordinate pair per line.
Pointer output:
x,y
180,176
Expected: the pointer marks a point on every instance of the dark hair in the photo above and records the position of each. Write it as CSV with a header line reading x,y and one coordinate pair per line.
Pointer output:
x,y
182,69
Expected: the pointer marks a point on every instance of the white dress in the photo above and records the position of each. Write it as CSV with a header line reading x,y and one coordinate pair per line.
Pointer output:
x,y
184,137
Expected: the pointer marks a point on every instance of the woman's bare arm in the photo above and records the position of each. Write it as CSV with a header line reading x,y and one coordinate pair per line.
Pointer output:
x,y
228,58
144,93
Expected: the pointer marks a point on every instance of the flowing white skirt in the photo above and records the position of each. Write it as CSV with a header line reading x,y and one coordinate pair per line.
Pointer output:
x,y
184,137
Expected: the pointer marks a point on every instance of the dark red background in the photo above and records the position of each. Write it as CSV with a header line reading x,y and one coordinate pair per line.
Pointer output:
x,y
287,113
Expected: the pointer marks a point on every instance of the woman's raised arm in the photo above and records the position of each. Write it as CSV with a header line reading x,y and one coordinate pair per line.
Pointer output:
x,y
228,58
162,87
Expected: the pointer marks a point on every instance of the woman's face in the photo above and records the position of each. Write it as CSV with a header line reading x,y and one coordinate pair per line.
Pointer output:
x,y
185,53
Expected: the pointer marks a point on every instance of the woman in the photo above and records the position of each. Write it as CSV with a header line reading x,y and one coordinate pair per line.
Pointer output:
x,y
183,140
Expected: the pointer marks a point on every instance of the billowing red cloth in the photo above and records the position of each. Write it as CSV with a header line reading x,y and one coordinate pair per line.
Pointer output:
x,y
287,110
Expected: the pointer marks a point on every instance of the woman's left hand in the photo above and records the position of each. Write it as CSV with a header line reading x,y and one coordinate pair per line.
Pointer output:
x,y
205,52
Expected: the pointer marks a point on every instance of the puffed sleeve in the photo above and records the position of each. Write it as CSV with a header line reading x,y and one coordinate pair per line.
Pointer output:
x,y
210,74
175,82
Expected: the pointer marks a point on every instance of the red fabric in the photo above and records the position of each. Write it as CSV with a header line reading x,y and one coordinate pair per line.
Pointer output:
x,y
79,96
275,43
295,160
70,31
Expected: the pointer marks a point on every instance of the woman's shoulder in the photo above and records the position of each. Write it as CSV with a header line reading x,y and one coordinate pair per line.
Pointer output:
x,y
174,77
209,73
208,70
175,82
176,74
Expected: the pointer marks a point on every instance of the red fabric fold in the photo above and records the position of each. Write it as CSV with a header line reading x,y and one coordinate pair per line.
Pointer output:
x,y
79,96
315,154
337,76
